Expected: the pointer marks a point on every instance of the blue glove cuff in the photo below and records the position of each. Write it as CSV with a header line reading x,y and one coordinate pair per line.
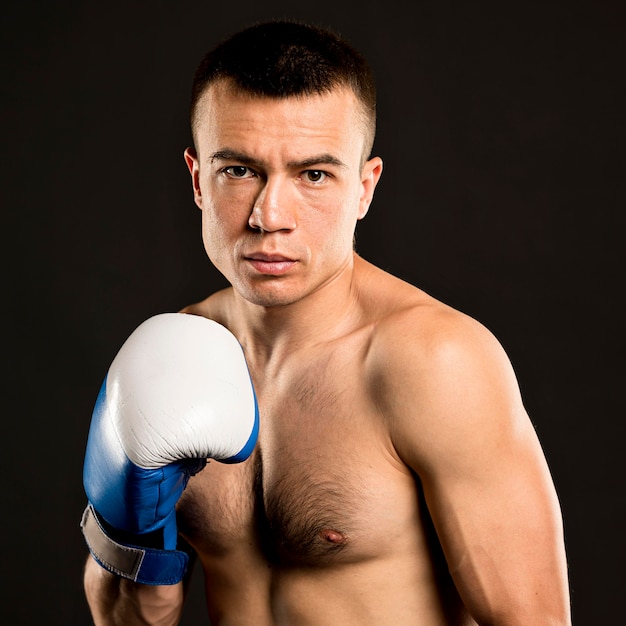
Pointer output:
x,y
142,565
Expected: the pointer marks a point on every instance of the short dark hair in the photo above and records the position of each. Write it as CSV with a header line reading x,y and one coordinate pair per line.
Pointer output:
x,y
279,59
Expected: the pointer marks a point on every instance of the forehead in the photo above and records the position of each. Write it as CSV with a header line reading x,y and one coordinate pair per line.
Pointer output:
x,y
333,120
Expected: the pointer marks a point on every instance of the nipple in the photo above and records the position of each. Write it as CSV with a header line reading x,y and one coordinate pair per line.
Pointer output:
x,y
332,536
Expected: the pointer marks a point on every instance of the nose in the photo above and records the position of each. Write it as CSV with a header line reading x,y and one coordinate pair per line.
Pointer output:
x,y
274,208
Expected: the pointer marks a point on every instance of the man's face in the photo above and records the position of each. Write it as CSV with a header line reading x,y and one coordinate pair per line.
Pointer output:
x,y
281,186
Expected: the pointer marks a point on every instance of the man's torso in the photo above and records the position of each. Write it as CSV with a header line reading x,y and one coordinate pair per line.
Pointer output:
x,y
324,524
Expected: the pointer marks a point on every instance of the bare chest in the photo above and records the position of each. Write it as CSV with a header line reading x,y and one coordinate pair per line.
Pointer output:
x,y
322,486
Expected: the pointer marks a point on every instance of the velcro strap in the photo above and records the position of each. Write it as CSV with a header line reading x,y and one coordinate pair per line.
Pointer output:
x,y
142,565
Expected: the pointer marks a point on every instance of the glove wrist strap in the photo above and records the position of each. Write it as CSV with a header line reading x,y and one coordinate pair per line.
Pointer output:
x,y
139,564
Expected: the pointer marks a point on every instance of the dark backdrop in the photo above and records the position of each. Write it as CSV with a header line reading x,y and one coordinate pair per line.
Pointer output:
x,y
501,128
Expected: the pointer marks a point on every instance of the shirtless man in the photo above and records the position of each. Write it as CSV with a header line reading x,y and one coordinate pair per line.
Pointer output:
x,y
397,478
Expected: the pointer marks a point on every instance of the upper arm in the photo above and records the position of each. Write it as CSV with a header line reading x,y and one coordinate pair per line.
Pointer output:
x,y
458,420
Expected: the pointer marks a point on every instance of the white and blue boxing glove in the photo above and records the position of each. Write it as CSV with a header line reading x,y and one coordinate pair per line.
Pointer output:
x,y
177,393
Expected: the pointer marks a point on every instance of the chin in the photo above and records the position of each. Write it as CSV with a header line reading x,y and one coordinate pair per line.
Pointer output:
x,y
268,296
269,301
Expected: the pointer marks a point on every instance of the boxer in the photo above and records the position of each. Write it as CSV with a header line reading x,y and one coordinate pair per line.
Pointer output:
x,y
396,478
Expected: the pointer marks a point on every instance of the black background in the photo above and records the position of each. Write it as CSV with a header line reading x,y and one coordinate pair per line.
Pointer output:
x,y
501,128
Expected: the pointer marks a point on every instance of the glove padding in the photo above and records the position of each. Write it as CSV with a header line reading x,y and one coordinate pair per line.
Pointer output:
x,y
178,392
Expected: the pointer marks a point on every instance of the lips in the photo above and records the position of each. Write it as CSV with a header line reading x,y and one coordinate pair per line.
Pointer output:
x,y
270,264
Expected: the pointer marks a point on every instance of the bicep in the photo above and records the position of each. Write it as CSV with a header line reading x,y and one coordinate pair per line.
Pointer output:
x,y
499,525
460,424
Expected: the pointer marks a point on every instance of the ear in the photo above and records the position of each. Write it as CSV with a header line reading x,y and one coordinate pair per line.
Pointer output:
x,y
370,176
191,158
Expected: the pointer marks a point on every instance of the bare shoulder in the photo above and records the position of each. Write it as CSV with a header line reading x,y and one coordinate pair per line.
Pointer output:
x,y
213,307
448,394
420,334
442,380
431,338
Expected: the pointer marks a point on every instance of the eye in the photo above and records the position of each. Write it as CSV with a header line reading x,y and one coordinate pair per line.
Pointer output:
x,y
238,171
315,176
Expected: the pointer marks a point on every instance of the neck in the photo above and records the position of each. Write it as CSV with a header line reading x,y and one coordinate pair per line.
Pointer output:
x,y
269,332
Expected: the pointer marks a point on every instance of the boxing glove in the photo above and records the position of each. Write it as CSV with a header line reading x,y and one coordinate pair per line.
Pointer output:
x,y
177,393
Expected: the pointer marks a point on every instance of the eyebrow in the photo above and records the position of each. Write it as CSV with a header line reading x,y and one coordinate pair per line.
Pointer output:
x,y
319,159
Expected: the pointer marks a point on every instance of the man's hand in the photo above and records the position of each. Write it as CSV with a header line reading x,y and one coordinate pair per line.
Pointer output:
x,y
178,392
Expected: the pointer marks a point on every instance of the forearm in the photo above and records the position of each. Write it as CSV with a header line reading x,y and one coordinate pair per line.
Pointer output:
x,y
116,601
